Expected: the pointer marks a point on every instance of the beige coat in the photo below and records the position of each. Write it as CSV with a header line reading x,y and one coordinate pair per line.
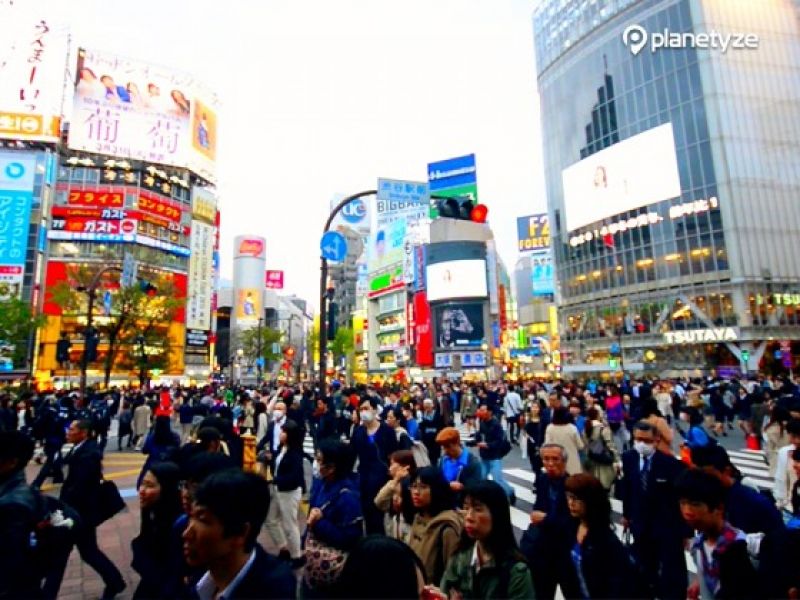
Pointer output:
x,y
604,473
436,540
568,437
141,420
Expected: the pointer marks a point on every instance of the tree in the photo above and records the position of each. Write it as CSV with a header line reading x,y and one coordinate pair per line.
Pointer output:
x,y
134,311
342,345
17,323
248,341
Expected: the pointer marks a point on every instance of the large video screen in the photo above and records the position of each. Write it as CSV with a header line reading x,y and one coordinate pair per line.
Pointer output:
x,y
459,325
635,172
456,279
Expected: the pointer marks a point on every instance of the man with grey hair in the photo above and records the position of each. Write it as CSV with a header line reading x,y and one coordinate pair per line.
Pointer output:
x,y
543,543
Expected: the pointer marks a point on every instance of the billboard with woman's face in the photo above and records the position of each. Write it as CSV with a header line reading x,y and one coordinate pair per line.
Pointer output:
x,y
139,111
459,325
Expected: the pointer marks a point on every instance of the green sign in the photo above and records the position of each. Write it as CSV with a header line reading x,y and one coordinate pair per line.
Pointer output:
x,y
613,363
469,190
382,282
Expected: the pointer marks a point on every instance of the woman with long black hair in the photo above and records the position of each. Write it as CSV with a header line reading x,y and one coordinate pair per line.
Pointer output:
x,y
488,563
160,503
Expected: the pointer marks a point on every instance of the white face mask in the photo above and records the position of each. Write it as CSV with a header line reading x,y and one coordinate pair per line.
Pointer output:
x,y
277,415
367,416
644,449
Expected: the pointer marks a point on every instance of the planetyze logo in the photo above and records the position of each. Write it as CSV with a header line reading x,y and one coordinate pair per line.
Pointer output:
x,y
636,38
355,211
15,170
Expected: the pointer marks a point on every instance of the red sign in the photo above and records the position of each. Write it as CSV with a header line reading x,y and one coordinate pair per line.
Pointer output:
x,y
10,270
91,213
84,225
159,207
252,247
423,330
96,198
501,300
274,280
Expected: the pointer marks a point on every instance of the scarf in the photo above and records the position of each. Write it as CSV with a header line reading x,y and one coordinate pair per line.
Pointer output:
x,y
711,571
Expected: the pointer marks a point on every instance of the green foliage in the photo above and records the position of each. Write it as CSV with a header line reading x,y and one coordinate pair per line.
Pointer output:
x,y
343,342
17,322
248,341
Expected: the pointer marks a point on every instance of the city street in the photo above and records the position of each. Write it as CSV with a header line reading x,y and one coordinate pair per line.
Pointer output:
x,y
114,536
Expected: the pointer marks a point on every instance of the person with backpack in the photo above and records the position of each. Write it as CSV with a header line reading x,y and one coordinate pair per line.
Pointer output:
x,y
493,446
459,466
603,459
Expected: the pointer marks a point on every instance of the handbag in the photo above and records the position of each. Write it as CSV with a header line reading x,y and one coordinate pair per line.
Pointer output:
x,y
598,451
109,501
324,563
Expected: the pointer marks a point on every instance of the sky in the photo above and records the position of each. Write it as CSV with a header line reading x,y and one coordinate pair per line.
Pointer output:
x,y
322,97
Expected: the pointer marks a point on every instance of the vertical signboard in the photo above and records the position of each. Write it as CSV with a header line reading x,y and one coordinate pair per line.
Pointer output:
x,y
16,198
542,280
423,331
33,52
274,280
249,266
201,261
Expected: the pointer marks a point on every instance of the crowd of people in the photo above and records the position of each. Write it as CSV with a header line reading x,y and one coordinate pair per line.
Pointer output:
x,y
399,503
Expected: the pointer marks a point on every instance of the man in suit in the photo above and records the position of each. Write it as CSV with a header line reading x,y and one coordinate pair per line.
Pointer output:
x,y
81,491
650,509
227,513
271,442
544,542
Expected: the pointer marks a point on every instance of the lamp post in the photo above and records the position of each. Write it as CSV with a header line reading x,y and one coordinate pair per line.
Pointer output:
x,y
259,353
91,293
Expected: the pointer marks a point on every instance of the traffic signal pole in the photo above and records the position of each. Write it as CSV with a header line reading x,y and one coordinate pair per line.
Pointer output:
x,y
91,293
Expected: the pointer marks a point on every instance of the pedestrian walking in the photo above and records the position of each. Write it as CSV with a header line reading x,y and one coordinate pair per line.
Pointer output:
x,y
493,446
81,491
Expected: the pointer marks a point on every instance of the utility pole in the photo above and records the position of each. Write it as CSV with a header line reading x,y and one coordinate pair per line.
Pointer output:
x,y
259,353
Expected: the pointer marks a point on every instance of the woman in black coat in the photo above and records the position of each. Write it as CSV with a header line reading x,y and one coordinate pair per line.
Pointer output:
x,y
288,485
160,503
595,561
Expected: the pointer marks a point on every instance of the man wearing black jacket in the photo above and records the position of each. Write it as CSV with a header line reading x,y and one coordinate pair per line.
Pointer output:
x,y
81,490
543,544
228,511
650,509
493,445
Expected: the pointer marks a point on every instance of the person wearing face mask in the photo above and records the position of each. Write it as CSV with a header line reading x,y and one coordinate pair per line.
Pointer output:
x,y
373,442
651,512
269,446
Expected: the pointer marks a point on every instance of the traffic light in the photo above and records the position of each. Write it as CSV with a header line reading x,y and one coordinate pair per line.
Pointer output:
x,y
289,353
332,309
148,288
62,350
90,349
462,208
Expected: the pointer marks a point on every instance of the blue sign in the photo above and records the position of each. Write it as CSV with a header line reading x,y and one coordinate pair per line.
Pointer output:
x,y
333,246
16,199
260,362
107,302
453,172
542,282
355,211
534,351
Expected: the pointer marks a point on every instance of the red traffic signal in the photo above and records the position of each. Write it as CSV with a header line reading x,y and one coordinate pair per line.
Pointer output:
x,y
289,352
479,213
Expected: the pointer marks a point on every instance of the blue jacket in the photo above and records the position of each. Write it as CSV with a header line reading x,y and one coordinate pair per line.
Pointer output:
x,y
752,512
341,524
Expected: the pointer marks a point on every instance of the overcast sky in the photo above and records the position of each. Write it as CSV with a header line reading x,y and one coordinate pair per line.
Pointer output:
x,y
322,97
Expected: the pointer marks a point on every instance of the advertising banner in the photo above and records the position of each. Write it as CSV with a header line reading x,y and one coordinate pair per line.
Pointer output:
x,y
16,198
638,171
248,304
100,197
274,280
459,325
454,177
90,225
32,54
533,233
160,207
201,276
456,279
542,280
204,205
423,331
401,220
136,110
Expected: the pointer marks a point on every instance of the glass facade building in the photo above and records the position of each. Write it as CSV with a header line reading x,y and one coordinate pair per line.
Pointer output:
x,y
719,255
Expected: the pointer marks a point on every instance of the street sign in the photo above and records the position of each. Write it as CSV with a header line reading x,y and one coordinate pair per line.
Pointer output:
x,y
276,348
260,362
333,246
129,268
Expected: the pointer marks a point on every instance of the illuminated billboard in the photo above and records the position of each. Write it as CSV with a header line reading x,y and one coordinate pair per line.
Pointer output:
x,y
136,110
17,171
456,279
638,171
459,325
32,54
248,304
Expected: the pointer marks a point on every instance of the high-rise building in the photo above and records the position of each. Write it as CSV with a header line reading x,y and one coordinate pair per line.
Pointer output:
x,y
672,180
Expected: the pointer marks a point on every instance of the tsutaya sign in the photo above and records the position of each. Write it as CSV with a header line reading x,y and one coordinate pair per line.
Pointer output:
x,y
702,336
